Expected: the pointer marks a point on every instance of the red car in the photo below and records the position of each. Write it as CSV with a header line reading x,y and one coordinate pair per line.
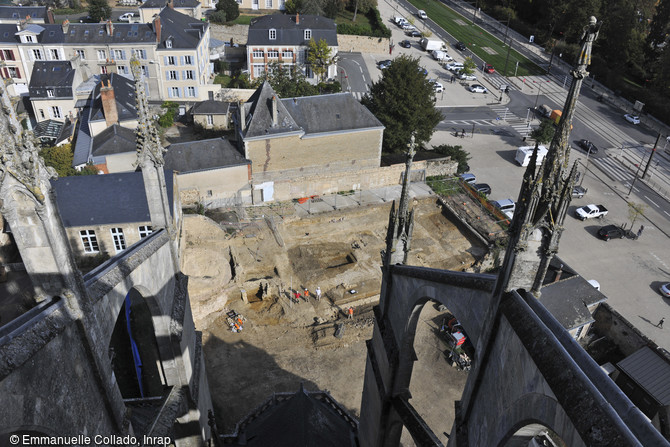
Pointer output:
x,y
488,68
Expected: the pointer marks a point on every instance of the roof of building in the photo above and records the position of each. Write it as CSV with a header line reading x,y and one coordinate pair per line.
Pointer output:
x,y
184,31
569,297
113,140
87,200
98,33
176,3
83,139
330,113
211,107
51,74
21,12
202,155
650,371
53,132
258,110
302,418
290,33
124,93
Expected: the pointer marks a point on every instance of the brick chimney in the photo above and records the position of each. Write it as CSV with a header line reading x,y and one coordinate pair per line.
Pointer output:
x,y
108,101
66,25
243,118
275,119
559,273
297,18
110,28
50,15
157,28
170,4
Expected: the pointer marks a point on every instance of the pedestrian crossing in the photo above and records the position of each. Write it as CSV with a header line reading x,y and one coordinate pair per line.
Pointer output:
x,y
520,125
469,123
358,95
613,169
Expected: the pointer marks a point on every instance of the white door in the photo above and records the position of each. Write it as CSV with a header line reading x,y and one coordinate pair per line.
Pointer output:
x,y
254,4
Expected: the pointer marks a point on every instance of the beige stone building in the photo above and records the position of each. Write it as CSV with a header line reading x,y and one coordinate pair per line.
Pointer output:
x,y
211,114
191,8
52,90
305,137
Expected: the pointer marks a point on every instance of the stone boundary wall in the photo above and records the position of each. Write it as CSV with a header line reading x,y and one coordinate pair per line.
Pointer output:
x,y
239,33
620,331
324,183
362,44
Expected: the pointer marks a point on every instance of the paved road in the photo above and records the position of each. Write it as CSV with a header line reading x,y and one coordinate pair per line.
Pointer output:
x,y
353,74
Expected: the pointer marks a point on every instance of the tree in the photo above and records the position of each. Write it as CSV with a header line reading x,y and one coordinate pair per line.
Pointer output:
x,y
218,17
99,10
457,154
544,133
635,210
363,6
404,101
287,82
318,57
230,7
469,66
59,158
293,7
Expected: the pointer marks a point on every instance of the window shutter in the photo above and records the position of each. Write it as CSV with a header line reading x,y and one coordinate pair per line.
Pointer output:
x,y
170,92
167,75
183,74
166,59
196,91
181,92
5,73
181,60
18,73
2,54
11,57
123,54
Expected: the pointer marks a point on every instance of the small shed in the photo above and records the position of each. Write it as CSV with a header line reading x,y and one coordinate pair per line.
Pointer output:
x,y
211,114
645,379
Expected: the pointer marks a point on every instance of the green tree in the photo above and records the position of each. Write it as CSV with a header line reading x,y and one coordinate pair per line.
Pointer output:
x,y
318,57
457,154
218,17
288,82
544,133
404,101
635,211
230,7
59,158
363,6
99,10
293,7
469,66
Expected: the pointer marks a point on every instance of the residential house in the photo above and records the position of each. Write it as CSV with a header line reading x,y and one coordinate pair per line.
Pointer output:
x,y
105,214
305,137
283,39
51,90
173,51
269,5
191,8
211,172
212,114
33,14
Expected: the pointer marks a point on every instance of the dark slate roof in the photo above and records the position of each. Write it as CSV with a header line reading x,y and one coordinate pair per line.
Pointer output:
x,y
567,300
83,139
330,113
8,33
211,107
20,12
202,155
184,30
302,419
258,111
113,140
288,33
46,33
176,3
650,371
97,33
124,92
53,75
85,200
49,131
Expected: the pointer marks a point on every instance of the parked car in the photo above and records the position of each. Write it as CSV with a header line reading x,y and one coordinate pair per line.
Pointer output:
x,y
632,118
476,88
467,77
578,191
591,211
439,88
423,71
408,26
384,64
665,289
405,44
413,33
127,17
468,178
482,188
587,146
507,206
488,68
454,66
460,46
611,231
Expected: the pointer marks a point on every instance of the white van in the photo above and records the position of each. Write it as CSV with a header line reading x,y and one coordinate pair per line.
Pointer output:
x,y
524,153
422,14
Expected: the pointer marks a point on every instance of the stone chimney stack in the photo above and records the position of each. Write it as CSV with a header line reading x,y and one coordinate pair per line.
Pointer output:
x,y
275,118
157,28
108,101
66,25
559,273
297,18
170,4
110,28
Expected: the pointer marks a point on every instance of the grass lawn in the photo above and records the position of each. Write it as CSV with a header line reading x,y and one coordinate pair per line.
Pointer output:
x,y
224,80
346,16
241,20
480,42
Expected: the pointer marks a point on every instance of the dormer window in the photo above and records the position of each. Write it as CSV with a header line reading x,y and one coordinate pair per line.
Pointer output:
x,y
273,34
29,38
168,43
50,93
308,34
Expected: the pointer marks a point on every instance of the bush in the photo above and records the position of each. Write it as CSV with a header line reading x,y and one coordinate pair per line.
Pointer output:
x,y
230,7
218,17
331,87
457,154
167,119
378,27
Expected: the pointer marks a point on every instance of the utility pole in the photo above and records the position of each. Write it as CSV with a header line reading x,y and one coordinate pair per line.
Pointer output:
x,y
651,156
507,58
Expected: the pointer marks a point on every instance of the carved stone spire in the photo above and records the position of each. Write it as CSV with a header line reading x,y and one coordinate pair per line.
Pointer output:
x,y
545,194
401,224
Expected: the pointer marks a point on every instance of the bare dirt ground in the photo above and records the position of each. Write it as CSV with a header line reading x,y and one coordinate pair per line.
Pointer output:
x,y
284,343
